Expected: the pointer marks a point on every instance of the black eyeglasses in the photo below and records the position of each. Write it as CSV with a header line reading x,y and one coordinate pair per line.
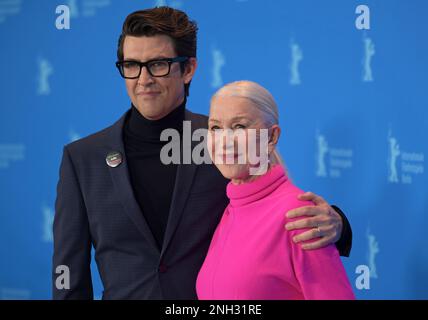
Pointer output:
x,y
131,69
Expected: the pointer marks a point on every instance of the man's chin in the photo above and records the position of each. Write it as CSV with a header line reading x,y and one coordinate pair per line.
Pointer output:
x,y
152,113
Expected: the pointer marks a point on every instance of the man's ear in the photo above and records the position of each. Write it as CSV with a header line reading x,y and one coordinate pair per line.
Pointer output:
x,y
190,69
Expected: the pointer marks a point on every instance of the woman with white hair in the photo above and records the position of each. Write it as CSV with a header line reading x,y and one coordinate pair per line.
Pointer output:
x,y
251,256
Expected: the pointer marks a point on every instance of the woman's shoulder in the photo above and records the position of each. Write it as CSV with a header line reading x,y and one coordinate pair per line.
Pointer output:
x,y
286,197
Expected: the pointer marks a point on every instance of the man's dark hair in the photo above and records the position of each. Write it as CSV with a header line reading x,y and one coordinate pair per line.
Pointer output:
x,y
162,21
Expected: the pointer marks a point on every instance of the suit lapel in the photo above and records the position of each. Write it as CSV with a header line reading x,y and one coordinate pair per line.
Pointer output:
x,y
183,184
122,182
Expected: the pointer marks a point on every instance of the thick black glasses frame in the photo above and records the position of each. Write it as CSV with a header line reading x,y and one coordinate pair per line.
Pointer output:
x,y
119,65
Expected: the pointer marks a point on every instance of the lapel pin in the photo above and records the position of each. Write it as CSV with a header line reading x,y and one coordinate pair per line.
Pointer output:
x,y
114,159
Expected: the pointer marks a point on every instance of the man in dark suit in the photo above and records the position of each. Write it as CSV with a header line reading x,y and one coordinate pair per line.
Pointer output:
x,y
149,223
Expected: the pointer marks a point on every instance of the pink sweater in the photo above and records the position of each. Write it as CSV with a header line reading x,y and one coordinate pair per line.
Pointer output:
x,y
252,256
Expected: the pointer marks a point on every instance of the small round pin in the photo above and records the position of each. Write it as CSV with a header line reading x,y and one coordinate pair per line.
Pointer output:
x,y
114,159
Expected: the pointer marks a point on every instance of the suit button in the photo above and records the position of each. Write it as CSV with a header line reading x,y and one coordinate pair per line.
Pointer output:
x,y
162,268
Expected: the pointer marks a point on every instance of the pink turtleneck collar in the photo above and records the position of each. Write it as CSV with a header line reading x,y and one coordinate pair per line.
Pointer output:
x,y
243,194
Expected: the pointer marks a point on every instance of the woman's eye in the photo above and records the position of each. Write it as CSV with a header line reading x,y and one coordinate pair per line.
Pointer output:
x,y
214,128
239,126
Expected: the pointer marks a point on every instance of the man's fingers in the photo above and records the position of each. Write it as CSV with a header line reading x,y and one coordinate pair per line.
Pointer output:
x,y
325,233
302,211
310,196
306,196
303,223
324,222
307,235
316,244
308,211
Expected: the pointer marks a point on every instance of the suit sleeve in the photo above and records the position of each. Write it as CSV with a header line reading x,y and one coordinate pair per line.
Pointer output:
x,y
344,244
72,240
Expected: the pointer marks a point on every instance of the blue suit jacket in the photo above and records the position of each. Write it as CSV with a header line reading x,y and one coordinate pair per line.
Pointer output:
x,y
96,206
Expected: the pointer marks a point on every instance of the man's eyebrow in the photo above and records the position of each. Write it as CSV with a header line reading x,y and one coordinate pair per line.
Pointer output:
x,y
138,60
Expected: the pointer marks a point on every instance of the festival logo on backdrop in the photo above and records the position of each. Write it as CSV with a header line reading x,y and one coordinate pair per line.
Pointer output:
x,y
218,63
373,250
45,70
403,165
369,52
394,152
174,4
296,58
48,217
9,8
73,135
14,294
331,161
86,8
10,153
322,147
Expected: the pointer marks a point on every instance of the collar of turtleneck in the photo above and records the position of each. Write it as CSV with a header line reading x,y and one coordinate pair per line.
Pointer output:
x,y
144,129
246,193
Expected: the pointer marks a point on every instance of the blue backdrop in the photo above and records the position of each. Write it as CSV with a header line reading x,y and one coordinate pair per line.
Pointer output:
x,y
353,107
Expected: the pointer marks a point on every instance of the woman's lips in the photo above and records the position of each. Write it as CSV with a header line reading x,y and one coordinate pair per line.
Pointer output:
x,y
233,156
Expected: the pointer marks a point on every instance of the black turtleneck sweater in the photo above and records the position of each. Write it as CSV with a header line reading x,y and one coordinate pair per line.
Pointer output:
x,y
152,181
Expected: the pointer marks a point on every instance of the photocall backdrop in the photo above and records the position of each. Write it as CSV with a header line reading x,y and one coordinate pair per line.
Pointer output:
x,y
352,96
